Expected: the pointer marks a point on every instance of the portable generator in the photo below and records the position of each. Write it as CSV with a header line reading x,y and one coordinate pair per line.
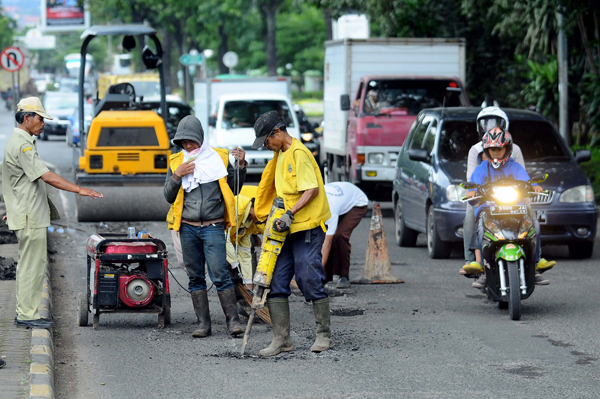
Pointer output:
x,y
125,275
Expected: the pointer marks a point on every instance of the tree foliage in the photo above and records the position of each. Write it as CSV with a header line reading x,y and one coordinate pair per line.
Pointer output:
x,y
7,27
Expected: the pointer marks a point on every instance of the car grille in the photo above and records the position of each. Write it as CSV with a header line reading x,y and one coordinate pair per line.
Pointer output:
x,y
543,199
128,156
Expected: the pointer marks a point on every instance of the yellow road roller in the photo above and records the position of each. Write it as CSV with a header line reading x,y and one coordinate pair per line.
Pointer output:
x,y
125,153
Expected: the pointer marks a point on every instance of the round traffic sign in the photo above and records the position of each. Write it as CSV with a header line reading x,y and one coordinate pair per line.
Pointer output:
x,y
12,59
230,59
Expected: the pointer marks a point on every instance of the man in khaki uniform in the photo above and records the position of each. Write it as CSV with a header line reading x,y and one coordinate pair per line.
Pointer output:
x,y
29,210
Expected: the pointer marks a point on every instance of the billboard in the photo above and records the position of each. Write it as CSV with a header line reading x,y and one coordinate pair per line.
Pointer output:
x,y
64,15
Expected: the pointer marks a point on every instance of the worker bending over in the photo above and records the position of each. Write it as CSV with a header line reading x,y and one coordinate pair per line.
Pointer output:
x,y
200,187
293,175
248,225
348,205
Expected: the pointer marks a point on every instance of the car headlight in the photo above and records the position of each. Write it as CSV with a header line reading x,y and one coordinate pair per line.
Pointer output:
x,y
505,195
376,157
577,194
455,192
307,136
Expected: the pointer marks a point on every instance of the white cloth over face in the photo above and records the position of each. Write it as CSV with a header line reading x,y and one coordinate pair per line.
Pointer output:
x,y
208,167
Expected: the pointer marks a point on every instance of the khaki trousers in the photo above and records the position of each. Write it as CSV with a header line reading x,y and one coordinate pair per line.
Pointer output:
x,y
33,256
244,256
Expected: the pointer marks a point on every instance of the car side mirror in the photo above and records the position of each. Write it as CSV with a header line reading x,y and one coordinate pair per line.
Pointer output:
x,y
419,155
467,185
150,60
212,121
345,102
583,156
315,125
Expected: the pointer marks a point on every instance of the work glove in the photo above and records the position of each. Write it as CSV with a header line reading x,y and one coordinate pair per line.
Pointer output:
x,y
285,221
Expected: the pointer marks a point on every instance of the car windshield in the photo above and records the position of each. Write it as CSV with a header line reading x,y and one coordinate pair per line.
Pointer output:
x,y
409,97
146,89
537,139
61,102
243,113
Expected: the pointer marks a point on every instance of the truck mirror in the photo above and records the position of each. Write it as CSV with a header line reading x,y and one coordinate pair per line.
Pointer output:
x,y
582,156
212,121
345,102
150,59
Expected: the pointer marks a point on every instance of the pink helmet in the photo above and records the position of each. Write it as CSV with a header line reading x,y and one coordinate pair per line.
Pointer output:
x,y
497,137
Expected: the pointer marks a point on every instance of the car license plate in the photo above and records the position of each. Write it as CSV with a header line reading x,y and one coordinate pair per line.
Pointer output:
x,y
541,216
508,210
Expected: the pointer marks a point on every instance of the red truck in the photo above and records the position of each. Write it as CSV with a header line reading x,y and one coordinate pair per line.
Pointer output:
x,y
363,134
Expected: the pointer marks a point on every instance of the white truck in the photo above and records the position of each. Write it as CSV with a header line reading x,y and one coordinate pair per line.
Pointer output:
x,y
374,89
228,108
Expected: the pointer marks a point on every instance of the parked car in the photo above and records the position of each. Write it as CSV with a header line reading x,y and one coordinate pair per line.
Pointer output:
x,y
59,105
433,162
308,135
73,136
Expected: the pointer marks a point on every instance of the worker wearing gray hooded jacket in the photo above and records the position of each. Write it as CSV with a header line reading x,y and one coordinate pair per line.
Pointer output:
x,y
200,185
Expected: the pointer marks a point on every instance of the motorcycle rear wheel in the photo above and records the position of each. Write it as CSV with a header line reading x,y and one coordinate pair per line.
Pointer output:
x,y
514,293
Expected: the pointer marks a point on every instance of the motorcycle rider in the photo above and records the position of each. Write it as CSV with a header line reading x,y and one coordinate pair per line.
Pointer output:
x,y
487,119
498,147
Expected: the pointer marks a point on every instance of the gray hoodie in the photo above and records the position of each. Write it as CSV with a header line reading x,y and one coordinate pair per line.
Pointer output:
x,y
205,202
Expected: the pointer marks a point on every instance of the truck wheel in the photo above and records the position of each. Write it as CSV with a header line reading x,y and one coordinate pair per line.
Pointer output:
x,y
82,309
436,248
581,250
44,135
405,237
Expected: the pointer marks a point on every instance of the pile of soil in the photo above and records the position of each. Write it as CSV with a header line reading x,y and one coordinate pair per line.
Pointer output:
x,y
8,268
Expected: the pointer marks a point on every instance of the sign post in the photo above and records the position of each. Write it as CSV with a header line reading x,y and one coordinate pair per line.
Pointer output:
x,y
190,60
12,60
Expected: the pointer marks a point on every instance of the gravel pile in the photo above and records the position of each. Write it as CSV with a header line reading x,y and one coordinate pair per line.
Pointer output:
x,y
8,268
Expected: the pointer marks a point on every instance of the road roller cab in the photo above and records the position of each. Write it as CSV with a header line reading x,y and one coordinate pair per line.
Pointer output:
x,y
125,152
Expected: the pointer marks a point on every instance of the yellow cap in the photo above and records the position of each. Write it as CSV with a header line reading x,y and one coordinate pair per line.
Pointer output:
x,y
32,104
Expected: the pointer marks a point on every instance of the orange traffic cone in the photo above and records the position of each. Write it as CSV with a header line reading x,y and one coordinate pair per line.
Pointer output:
x,y
378,269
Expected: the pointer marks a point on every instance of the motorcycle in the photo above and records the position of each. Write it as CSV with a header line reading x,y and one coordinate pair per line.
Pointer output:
x,y
509,240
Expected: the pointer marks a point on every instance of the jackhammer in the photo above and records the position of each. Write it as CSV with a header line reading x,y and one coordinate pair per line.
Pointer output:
x,y
271,248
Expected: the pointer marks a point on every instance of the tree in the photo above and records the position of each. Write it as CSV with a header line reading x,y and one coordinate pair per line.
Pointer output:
x,y
269,9
7,27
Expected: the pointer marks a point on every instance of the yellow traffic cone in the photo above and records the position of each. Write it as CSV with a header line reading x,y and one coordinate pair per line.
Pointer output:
x,y
378,269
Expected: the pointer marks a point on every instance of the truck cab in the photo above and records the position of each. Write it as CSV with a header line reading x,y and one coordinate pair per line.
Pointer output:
x,y
381,114
232,124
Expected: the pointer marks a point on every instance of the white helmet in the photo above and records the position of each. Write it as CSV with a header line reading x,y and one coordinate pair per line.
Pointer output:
x,y
489,118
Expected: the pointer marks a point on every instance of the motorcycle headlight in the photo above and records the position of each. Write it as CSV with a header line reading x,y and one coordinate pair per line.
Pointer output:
x,y
505,195
455,192
376,157
307,136
525,227
577,194
492,226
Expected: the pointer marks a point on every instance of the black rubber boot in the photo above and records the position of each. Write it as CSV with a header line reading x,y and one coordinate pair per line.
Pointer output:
x,y
200,301
229,305
279,309
323,320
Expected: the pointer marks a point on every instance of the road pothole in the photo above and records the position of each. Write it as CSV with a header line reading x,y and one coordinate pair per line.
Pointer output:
x,y
347,312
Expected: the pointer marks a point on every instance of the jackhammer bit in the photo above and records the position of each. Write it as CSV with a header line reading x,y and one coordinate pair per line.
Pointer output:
x,y
271,248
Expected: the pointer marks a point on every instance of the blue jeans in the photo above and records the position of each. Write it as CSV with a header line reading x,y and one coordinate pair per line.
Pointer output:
x,y
304,260
201,245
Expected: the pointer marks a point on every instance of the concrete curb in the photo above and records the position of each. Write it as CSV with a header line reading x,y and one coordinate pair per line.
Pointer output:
x,y
42,349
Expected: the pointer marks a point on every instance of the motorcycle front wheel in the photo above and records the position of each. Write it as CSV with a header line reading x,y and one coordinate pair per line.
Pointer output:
x,y
514,293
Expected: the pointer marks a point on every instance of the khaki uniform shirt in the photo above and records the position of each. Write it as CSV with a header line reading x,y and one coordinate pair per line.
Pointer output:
x,y
25,195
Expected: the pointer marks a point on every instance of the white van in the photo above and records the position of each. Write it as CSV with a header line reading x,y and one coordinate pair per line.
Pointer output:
x,y
232,124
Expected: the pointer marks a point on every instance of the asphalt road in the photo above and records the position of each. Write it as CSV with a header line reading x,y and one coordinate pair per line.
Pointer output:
x,y
432,337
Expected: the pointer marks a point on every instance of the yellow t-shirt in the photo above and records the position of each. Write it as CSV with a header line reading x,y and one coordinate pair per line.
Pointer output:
x,y
306,177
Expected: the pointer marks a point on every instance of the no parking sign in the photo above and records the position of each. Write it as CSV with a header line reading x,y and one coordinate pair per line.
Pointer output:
x,y
12,59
